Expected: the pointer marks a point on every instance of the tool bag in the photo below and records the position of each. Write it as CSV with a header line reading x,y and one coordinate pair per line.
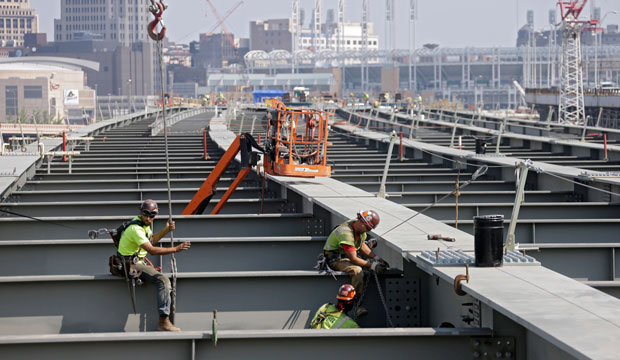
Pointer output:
x,y
322,266
119,263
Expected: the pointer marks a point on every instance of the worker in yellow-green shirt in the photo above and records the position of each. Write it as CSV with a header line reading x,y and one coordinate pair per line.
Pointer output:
x,y
137,241
334,316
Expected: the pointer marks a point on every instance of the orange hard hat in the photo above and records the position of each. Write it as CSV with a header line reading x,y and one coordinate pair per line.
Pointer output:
x,y
370,218
346,292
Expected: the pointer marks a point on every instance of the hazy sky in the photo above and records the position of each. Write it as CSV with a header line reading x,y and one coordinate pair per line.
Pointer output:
x,y
450,23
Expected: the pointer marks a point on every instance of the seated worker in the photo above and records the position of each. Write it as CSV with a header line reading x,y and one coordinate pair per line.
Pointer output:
x,y
330,316
341,248
138,239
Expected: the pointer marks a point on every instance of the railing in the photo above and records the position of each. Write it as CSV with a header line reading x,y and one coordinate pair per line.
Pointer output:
x,y
586,92
158,125
48,129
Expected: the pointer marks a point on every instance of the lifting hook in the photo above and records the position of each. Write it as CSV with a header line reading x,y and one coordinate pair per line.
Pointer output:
x,y
157,8
457,282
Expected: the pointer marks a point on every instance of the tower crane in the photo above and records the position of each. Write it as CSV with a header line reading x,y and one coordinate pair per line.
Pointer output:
x,y
571,104
220,22
226,15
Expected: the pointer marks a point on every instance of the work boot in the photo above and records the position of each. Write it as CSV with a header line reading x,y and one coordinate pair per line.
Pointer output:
x,y
360,311
166,325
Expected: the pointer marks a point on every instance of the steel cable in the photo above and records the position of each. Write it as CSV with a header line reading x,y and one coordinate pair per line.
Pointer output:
x,y
173,261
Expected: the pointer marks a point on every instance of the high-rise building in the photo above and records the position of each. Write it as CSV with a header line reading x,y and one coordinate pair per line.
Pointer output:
x,y
16,20
349,35
123,24
277,34
270,35
124,21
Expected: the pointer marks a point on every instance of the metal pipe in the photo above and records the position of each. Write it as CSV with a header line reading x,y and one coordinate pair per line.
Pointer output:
x,y
585,128
204,142
600,114
21,130
519,198
402,158
64,145
456,121
502,126
387,165
241,124
253,122
413,122
605,146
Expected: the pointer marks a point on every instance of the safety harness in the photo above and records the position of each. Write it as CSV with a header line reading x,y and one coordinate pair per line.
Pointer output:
x,y
317,323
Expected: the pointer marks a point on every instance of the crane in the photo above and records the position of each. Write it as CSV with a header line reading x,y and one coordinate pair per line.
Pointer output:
x,y
571,106
228,13
220,22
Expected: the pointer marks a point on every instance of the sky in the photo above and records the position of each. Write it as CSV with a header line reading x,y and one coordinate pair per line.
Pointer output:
x,y
449,23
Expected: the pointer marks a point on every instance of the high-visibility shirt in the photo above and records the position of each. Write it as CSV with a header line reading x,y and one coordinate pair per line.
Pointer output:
x,y
330,317
343,235
132,239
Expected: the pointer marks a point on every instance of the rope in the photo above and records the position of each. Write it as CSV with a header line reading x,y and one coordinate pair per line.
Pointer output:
x,y
481,171
173,261
539,170
352,136
382,298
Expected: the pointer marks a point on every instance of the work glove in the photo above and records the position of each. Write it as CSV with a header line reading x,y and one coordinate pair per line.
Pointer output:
x,y
382,262
377,266
371,243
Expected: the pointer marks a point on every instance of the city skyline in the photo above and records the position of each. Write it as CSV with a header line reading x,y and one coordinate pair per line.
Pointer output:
x,y
462,24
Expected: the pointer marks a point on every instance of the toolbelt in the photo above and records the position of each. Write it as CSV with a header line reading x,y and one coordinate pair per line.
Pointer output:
x,y
118,263
331,256
323,260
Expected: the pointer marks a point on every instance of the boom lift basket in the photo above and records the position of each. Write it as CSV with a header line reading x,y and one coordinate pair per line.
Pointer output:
x,y
296,142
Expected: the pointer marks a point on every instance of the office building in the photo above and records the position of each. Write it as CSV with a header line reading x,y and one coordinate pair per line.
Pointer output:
x,y
16,20
117,20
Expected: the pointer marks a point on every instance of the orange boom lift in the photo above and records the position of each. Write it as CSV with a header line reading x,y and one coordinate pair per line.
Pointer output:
x,y
296,145
297,142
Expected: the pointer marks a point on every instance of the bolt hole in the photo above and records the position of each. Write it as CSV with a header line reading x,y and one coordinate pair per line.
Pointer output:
x,y
397,307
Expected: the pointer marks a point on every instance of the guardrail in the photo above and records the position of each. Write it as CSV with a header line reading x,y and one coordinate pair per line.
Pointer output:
x,y
158,126
586,92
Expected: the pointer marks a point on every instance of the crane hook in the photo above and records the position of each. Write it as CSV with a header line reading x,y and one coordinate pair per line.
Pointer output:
x,y
157,8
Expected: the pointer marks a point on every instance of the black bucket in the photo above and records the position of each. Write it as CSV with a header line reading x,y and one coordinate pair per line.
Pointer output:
x,y
489,240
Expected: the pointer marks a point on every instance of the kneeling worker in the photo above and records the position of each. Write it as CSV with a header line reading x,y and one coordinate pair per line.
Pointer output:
x,y
330,316
341,248
138,239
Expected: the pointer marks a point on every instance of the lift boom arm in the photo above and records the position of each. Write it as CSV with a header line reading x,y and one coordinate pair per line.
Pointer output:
x,y
242,143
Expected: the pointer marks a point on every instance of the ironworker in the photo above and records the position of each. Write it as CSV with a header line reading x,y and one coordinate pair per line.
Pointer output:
x,y
341,249
138,240
330,316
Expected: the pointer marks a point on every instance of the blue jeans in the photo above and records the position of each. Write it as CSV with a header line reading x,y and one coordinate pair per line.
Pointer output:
x,y
162,283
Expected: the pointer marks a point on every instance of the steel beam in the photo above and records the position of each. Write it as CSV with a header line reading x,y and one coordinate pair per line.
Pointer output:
x,y
66,257
244,300
264,344
186,226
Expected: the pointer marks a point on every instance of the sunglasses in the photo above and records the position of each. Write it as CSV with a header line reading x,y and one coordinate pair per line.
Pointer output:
x,y
149,213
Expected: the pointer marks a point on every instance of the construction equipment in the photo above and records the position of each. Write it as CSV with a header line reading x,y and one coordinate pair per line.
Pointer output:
x,y
242,143
296,142
293,148
572,108
220,20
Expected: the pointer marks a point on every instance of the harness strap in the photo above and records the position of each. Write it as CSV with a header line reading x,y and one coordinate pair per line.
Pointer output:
x,y
341,322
